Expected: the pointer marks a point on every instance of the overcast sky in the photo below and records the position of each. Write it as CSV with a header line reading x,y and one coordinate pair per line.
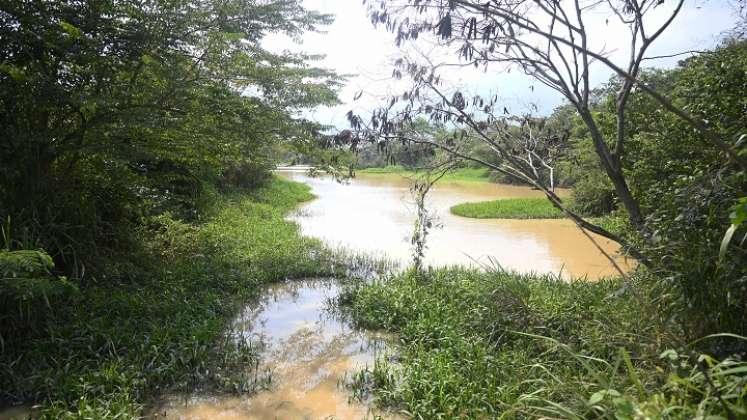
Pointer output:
x,y
352,45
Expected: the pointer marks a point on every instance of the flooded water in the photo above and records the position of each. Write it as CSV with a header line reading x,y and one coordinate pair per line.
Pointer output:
x,y
309,351
375,214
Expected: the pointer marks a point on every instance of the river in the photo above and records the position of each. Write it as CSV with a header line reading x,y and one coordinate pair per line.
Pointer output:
x,y
374,213
309,349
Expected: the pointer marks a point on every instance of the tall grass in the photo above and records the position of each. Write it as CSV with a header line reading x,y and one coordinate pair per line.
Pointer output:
x,y
107,350
510,208
497,344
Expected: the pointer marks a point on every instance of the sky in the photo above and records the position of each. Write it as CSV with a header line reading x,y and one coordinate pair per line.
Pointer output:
x,y
353,46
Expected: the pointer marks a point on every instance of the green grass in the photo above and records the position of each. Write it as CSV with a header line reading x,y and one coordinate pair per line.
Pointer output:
x,y
459,174
497,344
107,350
511,208
529,208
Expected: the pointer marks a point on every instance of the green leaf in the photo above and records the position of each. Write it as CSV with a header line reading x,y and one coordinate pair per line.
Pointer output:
x,y
14,72
71,29
597,397
739,212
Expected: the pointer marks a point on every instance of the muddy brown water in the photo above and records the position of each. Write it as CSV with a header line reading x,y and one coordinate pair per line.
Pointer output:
x,y
309,351
374,213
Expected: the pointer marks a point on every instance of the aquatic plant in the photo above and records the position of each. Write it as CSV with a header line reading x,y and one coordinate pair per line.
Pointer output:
x,y
509,208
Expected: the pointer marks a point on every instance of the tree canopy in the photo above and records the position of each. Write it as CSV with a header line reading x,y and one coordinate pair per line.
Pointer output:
x,y
112,109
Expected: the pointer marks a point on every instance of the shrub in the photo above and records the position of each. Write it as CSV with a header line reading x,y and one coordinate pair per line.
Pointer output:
x,y
593,196
27,288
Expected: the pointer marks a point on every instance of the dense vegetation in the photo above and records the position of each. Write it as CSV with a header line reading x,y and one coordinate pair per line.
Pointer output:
x,y
687,192
115,111
509,208
498,344
666,343
135,192
139,211
105,351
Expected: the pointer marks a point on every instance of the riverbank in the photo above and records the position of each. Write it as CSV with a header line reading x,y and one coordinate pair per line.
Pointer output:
x,y
107,351
472,343
498,344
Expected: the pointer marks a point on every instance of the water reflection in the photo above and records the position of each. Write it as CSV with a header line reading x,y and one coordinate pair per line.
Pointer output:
x,y
307,349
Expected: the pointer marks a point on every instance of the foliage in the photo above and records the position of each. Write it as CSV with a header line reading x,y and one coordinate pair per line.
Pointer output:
x,y
114,111
405,155
510,208
498,344
738,216
669,143
593,195
28,289
688,191
578,166
109,349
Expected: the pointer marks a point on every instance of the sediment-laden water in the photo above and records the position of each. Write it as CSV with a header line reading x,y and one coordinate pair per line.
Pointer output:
x,y
375,214
309,351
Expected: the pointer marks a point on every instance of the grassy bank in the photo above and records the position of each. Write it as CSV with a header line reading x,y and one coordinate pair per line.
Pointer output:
x,y
460,174
511,208
486,345
105,351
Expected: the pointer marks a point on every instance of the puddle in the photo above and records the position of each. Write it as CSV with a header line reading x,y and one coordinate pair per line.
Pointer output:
x,y
308,351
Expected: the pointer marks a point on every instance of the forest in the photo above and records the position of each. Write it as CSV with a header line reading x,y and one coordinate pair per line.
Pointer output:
x,y
144,208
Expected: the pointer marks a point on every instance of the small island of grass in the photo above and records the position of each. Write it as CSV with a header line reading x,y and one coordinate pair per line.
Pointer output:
x,y
511,208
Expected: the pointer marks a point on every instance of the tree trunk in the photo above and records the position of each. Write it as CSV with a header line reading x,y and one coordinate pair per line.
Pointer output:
x,y
613,167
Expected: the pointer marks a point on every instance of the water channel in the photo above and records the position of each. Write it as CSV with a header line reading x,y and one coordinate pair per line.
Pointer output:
x,y
374,214
309,349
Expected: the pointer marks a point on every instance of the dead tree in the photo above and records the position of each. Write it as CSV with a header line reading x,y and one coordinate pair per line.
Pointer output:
x,y
550,41
473,120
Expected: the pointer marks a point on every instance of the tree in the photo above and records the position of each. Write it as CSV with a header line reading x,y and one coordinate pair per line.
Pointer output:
x,y
548,40
551,42
111,110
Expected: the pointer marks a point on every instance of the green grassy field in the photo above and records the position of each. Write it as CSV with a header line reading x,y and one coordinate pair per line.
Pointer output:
x,y
109,349
513,208
460,174
503,345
